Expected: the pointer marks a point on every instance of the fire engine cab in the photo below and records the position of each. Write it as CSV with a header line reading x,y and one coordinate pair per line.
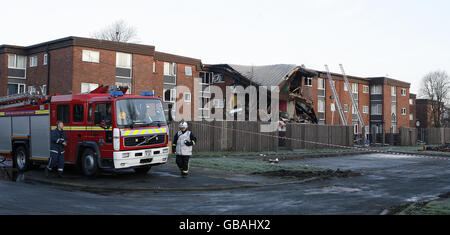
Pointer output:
x,y
105,129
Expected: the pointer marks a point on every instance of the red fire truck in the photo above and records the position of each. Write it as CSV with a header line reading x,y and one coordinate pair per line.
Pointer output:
x,y
105,128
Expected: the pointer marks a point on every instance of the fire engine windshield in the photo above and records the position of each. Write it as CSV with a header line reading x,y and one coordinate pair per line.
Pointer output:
x,y
139,113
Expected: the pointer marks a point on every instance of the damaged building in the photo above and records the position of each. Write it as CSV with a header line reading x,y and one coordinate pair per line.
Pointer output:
x,y
296,101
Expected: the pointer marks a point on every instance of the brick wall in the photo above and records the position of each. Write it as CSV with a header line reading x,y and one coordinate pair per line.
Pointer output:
x,y
37,76
3,74
103,73
61,71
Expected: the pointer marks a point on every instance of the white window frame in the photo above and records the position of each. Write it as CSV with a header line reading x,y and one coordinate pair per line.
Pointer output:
x,y
90,87
18,86
404,111
345,108
355,88
321,84
377,109
356,129
16,57
170,69
173,95
33,61
366,109
118,54
393,91
187,94
345,87
404,92
411,117
308,82
154,67
321,106
376,89
45,62
87,56
366,89
186,69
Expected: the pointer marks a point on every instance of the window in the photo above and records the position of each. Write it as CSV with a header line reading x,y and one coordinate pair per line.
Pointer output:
x,y
102,113
45,59
356,129
403,92
321,106
125,84
33,61
219,103
346,108
187,97
308,82
345,87
63,113
394,91
17,61
88,87
123,60
78,113
411,117
188,70
354,109
15,88
411,102
154,67
355,88
169,95
90,109
376,90
366,89
366,109
321,84
377,109
170,69
404,111
91,56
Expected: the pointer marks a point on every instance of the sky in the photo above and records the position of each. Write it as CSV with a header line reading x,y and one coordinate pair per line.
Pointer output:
x,y
400,39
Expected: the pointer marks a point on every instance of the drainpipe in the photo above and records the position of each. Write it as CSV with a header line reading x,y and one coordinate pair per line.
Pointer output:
x,y
48,71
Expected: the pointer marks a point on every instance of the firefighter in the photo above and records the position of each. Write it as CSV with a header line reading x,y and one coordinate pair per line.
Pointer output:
x,y
182,146
58,141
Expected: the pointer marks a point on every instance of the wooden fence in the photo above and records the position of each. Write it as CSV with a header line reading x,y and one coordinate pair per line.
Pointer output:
x,y
223,136
305,135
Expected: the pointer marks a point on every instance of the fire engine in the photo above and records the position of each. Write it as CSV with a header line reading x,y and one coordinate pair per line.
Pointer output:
x,y
105,129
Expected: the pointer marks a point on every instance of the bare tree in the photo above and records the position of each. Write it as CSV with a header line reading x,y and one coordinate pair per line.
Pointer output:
x,y
119,31
436,87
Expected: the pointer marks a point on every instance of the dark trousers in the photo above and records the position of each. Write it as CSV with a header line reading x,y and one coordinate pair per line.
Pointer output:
x,y
183,163
56,159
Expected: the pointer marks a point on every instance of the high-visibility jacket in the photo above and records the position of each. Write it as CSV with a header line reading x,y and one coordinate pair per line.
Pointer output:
x,y
182,141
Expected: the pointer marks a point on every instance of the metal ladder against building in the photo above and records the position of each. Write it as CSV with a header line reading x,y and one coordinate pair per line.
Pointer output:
x,y
336,97
354,104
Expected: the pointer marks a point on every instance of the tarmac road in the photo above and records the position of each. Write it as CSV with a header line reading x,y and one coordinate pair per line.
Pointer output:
x,y
387,181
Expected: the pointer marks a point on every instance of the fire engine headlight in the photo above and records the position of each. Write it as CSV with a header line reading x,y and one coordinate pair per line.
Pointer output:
x,y
116,139
125,155
166,150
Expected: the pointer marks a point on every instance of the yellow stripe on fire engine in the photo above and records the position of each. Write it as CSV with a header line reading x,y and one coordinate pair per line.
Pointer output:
x,y
144,131
42,112
2,113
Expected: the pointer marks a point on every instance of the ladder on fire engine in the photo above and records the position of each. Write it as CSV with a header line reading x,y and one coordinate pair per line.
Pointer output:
x,y
15,100
336,97
352,96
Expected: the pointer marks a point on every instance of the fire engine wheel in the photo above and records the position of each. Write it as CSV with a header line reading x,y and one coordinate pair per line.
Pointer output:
x,y
89,164
142,170
21,160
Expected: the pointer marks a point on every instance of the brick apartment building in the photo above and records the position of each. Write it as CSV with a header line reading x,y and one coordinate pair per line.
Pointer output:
x,y
74,65
382,102
412,111
426,113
